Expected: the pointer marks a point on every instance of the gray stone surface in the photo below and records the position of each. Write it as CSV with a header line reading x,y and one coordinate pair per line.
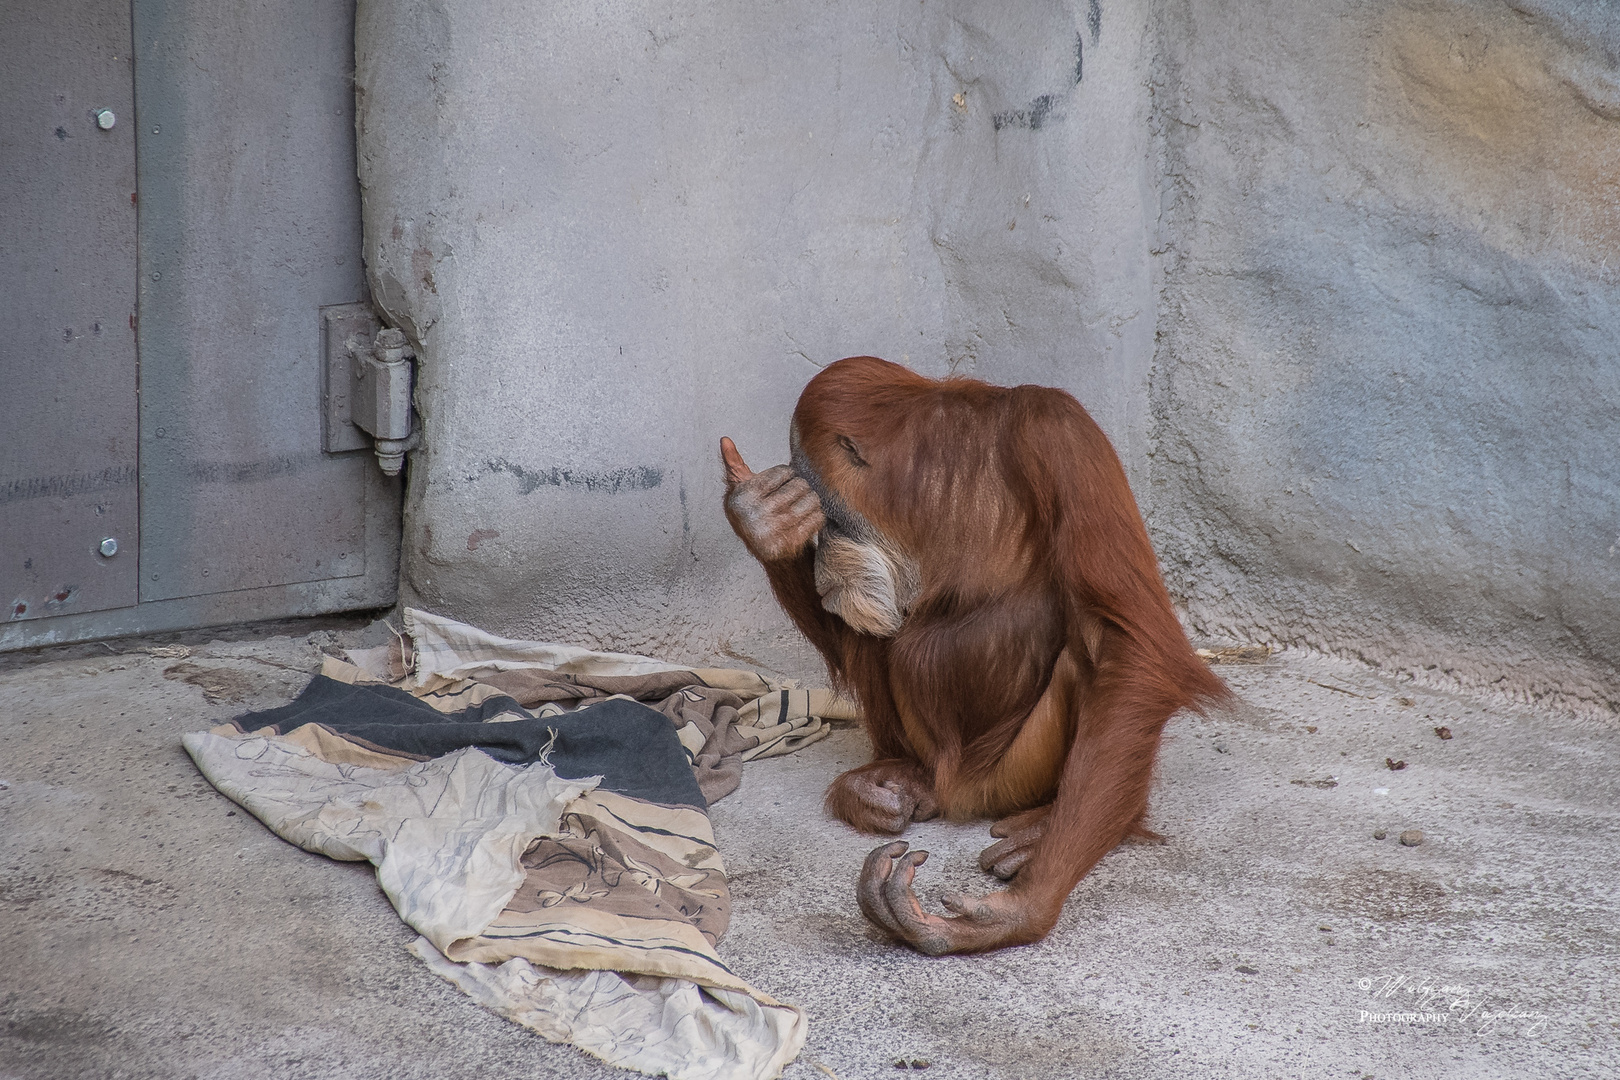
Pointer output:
x,y
1334,277
147,932
621,231
1386,398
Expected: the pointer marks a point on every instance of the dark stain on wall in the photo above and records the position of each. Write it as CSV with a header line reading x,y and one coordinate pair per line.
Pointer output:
x,y
251,472
612,481
1031,117
63,486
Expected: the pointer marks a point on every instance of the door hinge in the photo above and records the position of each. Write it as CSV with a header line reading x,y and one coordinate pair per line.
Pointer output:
x,y
367,386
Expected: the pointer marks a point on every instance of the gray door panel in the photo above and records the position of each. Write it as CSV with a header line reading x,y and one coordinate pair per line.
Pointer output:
x,y
67,304
250,224
235,125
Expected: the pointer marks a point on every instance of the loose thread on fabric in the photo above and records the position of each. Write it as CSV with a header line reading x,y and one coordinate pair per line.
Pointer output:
x,y
544,754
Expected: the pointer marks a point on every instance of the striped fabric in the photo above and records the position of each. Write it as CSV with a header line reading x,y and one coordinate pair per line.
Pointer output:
x,y
538,813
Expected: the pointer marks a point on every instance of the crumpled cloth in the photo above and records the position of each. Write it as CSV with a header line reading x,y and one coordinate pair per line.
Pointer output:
x,y
447,836
724,716
559,862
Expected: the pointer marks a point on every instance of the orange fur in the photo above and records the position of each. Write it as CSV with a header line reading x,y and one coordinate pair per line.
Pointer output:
x,y
1040,657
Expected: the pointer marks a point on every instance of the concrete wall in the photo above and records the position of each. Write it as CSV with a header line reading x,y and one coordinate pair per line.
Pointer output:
x,y
620,231
1387,398
1334,277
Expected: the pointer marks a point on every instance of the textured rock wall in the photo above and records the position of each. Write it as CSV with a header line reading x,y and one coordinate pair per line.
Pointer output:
x,y
1335,277
1387,397
620,231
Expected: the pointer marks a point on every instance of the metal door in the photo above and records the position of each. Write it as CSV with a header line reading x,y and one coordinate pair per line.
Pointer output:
x,y
69,540
216,218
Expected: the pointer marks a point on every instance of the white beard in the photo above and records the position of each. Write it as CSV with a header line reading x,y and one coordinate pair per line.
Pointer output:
x,y
868,587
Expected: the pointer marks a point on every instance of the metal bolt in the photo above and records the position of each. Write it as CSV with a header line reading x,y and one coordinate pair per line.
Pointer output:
x,y
391,346
391,455
109,547
105,119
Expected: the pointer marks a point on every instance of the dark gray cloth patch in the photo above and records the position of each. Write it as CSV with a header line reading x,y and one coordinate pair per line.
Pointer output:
x,y
631,746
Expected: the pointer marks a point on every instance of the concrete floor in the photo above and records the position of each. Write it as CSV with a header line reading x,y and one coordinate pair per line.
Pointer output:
x,y
149,930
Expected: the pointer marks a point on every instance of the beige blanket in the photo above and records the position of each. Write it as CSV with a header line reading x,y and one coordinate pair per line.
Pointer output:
x,y
587,909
